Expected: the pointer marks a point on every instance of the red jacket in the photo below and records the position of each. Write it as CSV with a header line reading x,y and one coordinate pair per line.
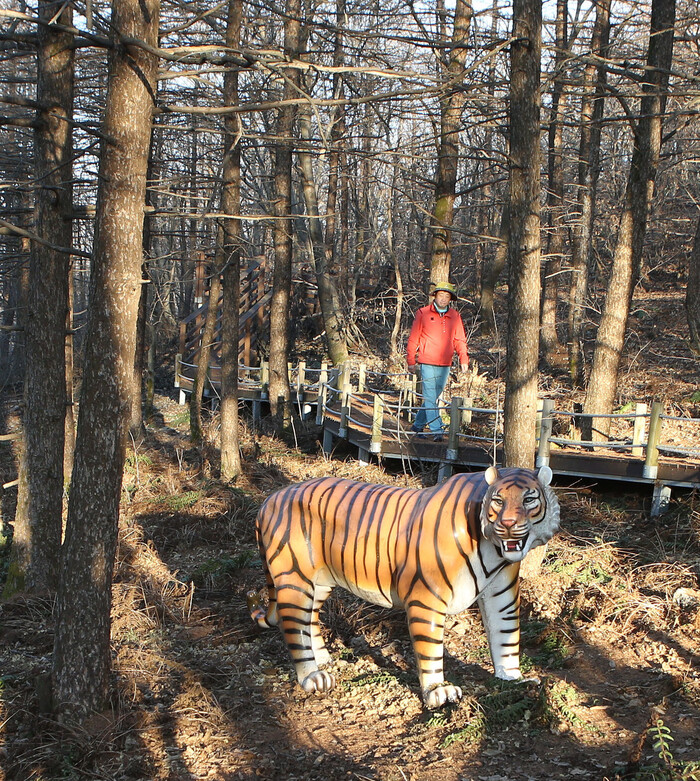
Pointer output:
x,y
435,338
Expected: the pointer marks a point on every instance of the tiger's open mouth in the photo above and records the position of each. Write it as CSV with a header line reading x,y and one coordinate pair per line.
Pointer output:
x,y
514,546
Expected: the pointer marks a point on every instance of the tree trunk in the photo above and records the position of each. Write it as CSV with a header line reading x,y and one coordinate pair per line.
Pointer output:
x,y
337,142
592,104
327,292
136,425
81,661
602,386
69,423
280,393
520,407
200,380
37,526
230,243
549,338
692,293
451,107
491,273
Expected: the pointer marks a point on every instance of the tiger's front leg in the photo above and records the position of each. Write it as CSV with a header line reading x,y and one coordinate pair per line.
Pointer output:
x,y
297,607
426,626
500,613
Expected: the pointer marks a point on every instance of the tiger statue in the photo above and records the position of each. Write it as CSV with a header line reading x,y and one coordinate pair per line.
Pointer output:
x,y
432,551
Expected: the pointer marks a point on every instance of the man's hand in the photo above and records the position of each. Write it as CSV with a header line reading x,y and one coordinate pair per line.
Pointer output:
x,y
413,369
463,367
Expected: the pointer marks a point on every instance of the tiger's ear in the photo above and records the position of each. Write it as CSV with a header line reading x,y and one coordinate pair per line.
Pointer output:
x,y
544,475
491,475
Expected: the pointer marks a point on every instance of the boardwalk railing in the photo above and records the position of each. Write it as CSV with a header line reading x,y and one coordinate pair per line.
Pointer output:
x,y
645,444
374,410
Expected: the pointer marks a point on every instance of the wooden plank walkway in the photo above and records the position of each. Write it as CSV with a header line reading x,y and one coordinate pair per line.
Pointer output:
x,y
373,412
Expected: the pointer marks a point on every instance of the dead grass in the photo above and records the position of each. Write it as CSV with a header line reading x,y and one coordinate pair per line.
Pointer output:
x,y
199,692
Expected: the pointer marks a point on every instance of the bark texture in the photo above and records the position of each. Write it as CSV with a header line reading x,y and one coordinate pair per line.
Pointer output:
x,y
556,207
451,107
520,406
692,293
37,525
327,292
282,280
81,647
592,104
602,386
230,246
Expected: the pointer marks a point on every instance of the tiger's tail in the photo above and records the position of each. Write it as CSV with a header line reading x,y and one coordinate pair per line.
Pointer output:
x,y
265,618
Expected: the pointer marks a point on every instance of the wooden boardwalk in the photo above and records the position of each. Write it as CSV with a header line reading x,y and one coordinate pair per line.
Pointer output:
x,y
373,412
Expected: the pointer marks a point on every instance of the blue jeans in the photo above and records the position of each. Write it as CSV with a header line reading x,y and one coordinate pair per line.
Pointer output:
x,y
434,379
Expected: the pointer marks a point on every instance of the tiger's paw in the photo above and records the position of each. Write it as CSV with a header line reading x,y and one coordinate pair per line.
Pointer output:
x,y
508,675
514,675
318,681
440,694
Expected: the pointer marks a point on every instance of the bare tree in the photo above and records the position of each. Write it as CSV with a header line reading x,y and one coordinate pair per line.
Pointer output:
x,y
37,527
205,351
279,309
592,104
602,386
520,407
327,292
230,244
81,660
692,293
549,338
451,106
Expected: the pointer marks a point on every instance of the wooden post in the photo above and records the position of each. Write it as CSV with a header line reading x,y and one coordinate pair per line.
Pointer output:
x,y
344,377
264,379
651,462
660,499
447,466
467,405
362,376
321,402
377,420
546,422
640,424
576,427
301,376
344,415
453,432
327,441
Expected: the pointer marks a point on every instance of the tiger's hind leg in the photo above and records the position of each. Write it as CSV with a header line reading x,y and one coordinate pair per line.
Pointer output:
x,y
263,617
297,607
321,654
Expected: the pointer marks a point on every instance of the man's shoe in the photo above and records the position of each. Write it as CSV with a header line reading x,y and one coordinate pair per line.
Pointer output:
x,y
415,430
438,438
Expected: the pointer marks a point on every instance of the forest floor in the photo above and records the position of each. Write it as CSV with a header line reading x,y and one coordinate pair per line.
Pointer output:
x,y
611,628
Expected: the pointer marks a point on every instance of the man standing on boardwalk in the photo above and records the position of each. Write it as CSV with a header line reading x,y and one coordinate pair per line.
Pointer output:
x,y
436,335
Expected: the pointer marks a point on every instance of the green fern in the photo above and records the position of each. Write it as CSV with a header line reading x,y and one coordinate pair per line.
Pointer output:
x,y
673,770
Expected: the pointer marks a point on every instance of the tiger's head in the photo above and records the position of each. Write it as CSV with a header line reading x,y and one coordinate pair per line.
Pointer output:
x,y
520,510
